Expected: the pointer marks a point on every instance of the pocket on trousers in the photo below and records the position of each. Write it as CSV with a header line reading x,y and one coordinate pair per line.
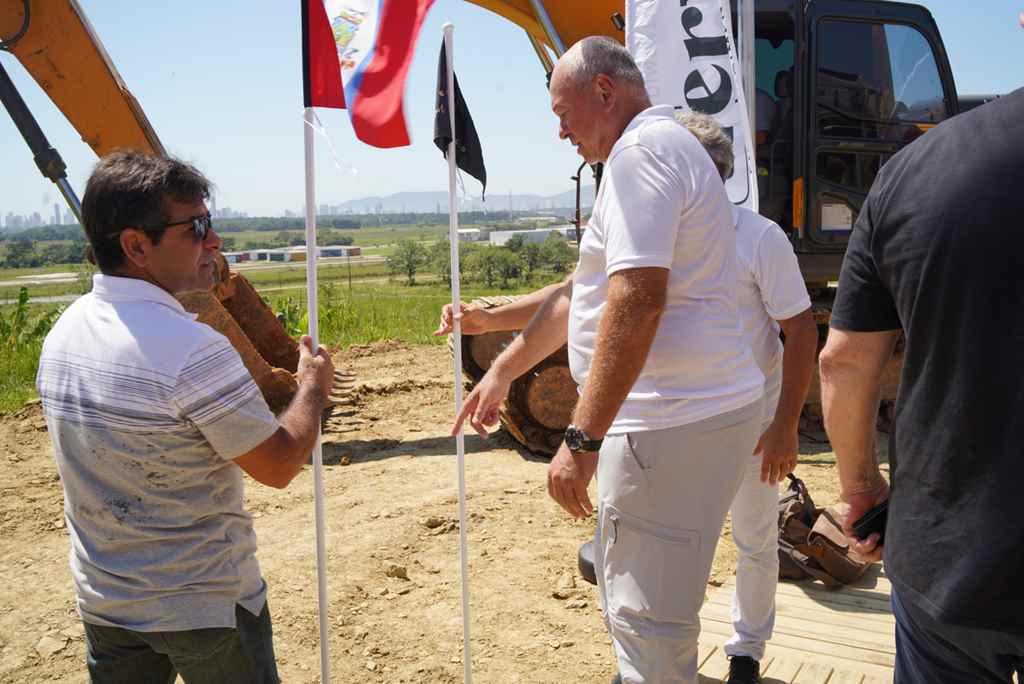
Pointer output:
x,y
633,450
650,571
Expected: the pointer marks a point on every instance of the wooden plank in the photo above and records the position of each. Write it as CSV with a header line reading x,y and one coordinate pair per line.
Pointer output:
x,y
846,677
818,591
801,655
818,614
821,648
876,679
704,652
855,602
833,632
781,671
879,590
813,673
716,667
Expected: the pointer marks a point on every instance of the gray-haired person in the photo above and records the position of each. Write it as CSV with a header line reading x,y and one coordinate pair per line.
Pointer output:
x,y
772,297
671,400
153,419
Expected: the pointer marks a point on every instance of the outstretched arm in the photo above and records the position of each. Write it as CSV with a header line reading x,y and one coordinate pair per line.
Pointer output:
x,y
512,316
279,458
545,333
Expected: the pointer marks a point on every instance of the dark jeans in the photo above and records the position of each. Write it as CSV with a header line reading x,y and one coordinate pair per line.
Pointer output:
x,y
931,652
201,656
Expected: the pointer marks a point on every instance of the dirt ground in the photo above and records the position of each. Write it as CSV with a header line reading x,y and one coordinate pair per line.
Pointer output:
x,y
390,484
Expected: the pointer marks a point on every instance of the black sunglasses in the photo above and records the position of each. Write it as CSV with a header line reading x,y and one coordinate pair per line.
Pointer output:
x,y
201,225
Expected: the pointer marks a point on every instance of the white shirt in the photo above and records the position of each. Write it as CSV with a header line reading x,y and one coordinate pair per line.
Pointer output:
x,y
146,409
771,289
663,205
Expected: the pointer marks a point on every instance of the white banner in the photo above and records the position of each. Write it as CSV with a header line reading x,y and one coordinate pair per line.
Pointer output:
x,y
686,53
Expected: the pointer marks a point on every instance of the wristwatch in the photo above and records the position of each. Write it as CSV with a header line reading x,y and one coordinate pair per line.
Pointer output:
x,y
579,442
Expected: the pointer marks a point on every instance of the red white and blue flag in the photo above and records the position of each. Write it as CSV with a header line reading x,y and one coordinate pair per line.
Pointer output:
x,y
356,55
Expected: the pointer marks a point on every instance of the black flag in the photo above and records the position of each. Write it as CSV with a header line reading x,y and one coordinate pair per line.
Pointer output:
x,y
469,156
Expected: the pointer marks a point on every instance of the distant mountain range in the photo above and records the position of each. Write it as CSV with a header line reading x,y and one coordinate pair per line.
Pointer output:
x,y
428,202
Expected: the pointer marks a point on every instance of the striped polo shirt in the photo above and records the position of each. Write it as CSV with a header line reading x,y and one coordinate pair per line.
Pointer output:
x,y
146,409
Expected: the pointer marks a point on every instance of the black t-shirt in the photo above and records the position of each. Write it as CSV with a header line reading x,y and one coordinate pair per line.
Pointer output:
x,y
938,250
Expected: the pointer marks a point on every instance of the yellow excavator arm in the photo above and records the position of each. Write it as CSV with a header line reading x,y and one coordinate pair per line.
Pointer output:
x,y
55,43
571,21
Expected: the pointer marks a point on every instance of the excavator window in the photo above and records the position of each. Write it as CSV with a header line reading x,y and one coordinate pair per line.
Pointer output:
x,y
876,81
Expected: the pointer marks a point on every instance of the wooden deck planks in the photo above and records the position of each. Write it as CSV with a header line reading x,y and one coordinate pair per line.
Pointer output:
x,y
821,636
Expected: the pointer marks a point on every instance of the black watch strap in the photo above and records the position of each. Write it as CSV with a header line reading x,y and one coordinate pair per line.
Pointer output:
x,y
579,441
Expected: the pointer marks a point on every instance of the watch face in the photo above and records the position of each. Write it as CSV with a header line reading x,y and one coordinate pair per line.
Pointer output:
x,y
573,439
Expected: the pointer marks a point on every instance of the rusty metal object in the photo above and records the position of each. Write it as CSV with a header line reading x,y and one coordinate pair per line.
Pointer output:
x,y
234,309
277,385
260,324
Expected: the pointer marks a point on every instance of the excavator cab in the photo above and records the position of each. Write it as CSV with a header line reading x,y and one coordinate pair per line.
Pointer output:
x,y
849,83
841,86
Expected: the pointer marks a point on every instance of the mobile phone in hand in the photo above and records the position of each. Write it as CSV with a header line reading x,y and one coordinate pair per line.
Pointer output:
x,y
872,521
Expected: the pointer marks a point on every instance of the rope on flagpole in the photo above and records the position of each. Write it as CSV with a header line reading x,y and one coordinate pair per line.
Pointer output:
x,y
319,128
318,456
460,442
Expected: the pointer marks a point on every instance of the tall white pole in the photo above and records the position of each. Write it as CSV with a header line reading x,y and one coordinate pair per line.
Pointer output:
x,y
460,443
318,455
746,14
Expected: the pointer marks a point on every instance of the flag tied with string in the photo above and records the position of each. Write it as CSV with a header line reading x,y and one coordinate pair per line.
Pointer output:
x,y
469,155
356,56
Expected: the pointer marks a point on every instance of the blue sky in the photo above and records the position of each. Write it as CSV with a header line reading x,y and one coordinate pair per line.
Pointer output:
x,y
220,81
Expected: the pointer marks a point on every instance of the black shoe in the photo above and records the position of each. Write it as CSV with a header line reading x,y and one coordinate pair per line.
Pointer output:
x,y
744,670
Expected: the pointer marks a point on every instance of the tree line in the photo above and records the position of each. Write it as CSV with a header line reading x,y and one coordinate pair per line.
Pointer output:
x,y
492,266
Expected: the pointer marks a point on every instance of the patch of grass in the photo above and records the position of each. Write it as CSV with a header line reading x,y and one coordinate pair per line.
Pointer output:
x,y
22,330
18,376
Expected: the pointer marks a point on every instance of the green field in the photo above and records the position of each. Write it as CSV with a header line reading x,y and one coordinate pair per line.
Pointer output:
x,y
375,307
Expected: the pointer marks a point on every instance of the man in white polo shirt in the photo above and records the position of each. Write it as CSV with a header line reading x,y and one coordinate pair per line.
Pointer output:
x,y
671,395
153,418
772,297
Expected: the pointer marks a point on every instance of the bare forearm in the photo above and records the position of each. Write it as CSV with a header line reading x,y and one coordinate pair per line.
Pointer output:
x,y
518,314
797,370
300,424
850,374
624,338
544,334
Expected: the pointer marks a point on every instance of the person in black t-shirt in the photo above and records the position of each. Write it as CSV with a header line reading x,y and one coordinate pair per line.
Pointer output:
x,y
938,252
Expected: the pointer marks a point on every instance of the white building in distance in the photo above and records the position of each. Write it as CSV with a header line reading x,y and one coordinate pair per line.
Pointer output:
x,y
500,238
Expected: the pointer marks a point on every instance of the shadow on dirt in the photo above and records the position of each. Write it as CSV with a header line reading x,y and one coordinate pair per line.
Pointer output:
x,y
369,450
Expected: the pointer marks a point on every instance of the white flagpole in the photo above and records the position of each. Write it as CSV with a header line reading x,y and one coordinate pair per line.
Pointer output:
x,y
460,442
318,456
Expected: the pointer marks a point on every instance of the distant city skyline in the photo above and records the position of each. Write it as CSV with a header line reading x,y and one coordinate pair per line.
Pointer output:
x,y
220,84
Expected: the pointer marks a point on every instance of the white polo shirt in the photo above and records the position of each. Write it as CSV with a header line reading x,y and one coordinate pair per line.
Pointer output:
x,y
663,205
771,289
146,409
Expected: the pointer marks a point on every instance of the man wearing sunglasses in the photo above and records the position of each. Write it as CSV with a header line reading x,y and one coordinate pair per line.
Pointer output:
x,y
153,418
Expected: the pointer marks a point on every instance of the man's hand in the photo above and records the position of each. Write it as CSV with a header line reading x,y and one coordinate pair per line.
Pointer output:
x,y
778,447
568,477
481,406
316,368
474,321
857,505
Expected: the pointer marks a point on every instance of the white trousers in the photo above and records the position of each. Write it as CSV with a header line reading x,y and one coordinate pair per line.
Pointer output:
x,y
662,500
755,530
